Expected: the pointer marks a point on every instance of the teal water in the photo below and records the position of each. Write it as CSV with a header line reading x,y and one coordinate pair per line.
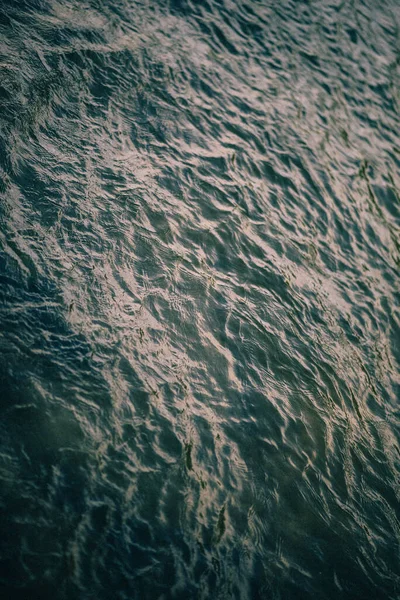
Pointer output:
x,y
199,300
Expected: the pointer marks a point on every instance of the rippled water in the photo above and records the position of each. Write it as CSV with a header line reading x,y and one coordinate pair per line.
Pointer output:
x,y
199,299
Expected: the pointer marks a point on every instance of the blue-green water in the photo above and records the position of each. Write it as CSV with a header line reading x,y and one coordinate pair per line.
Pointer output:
x,y
199,300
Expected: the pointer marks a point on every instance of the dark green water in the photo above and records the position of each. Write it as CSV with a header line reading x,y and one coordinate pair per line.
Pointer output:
x,y
199,300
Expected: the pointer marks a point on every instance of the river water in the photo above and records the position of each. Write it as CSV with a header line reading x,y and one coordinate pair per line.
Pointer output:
x,y
199,299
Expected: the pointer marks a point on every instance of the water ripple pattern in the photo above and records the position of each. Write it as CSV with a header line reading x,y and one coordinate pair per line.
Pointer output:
x,y
199,299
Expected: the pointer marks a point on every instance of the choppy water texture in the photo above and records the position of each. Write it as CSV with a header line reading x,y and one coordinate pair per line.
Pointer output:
x,y
200,331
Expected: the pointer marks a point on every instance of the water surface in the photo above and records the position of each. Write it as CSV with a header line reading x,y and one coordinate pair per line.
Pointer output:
x,y
199,300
